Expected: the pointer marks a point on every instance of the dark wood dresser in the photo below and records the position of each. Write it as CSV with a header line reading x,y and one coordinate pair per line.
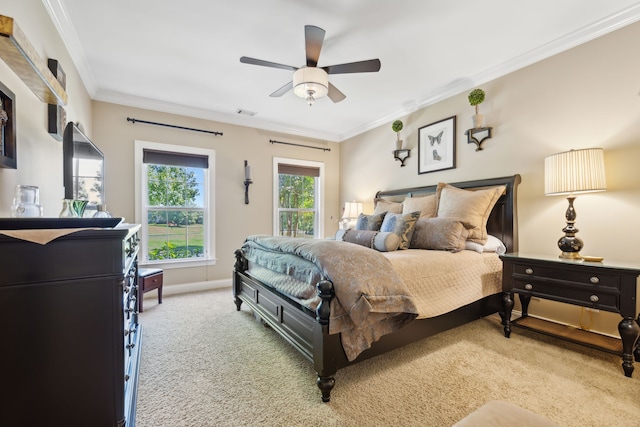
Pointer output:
x,y
69,329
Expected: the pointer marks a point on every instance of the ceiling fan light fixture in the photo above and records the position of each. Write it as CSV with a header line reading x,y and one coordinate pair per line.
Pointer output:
x,y
310,83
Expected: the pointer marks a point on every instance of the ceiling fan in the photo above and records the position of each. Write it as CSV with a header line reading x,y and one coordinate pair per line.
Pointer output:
x,y
312,82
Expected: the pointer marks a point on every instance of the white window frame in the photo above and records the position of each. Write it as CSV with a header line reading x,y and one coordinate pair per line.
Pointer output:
x,y
319,195
141,217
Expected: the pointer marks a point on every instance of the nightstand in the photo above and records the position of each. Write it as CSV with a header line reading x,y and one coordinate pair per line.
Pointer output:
x,y
598,285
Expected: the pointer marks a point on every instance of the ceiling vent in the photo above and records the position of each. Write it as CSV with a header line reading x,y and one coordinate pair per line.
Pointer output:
x,y
245,112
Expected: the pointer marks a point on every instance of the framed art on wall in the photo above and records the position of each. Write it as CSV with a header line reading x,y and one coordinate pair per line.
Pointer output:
x,y
7,128
437,146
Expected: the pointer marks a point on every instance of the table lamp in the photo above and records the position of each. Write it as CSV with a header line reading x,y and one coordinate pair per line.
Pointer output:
x,y
351,212
569,173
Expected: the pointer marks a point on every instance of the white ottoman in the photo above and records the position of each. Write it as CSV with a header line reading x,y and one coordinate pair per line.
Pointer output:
x,y
497,413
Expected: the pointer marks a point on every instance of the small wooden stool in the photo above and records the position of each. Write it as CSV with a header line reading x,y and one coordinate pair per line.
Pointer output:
x,y
148,280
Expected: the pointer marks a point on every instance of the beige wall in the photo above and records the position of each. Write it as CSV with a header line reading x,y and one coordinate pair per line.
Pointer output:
x,y
39,155
585,97
233,219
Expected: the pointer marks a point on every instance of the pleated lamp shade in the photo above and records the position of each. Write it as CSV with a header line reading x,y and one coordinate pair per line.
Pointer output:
x,y
575,171
352,210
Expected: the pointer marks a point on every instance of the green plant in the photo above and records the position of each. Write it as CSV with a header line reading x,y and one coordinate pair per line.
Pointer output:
x,y
397,127
476,97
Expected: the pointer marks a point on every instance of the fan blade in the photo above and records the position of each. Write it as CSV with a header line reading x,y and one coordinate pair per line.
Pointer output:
x,y
334,94
370,66
284,89
253,61
313,38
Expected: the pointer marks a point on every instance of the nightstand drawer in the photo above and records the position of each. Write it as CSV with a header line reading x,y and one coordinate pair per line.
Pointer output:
x,y
567,273
572,293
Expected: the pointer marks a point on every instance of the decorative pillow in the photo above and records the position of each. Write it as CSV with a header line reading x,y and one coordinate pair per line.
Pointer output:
x,y
444,234
472,207
402,225
493,245
370,222
383,242
425,204
383,205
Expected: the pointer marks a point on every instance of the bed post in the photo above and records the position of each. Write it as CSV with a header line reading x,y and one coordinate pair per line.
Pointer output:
x,y
323,358
239,266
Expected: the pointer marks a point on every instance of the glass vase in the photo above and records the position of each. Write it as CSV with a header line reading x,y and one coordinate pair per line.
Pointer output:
x,y
67,209
79,206
26,202
102,212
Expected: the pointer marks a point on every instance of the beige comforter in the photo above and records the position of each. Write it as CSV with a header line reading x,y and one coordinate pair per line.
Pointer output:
x,y
372,299
442,281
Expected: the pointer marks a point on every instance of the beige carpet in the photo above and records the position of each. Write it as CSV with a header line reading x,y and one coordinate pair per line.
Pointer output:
x,y
205,364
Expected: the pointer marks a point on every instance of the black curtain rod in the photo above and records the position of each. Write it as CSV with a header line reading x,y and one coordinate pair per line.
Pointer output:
x,y
299,145
129,119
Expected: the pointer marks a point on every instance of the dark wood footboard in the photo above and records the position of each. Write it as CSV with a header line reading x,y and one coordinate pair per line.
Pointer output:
x,y
306,330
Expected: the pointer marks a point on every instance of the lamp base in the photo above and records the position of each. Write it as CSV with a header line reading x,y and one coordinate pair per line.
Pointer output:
x,y
570,255
569,244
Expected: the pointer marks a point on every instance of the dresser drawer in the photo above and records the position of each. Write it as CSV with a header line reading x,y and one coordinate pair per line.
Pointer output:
x,y
564,273
573,293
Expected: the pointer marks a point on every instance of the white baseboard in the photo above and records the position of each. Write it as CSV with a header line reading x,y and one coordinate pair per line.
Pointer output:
x,y
191,287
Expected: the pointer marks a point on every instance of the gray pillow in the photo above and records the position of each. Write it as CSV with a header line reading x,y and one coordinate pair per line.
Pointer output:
x,y
383,242
370,222
445,234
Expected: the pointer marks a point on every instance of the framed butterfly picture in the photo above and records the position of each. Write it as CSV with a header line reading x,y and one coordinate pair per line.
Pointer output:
x,y
437,146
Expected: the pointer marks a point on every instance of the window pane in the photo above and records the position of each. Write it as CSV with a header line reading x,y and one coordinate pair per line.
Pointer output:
x,y
195,239
175,234
175,186
297,191
297,224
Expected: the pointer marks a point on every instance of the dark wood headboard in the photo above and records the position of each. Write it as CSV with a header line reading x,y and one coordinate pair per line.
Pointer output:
x,y
503,220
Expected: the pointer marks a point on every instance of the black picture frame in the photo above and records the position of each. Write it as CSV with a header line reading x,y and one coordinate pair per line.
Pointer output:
x,y
437,146
8,149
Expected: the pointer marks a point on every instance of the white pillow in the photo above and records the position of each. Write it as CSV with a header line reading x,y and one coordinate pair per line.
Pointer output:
x,y
493,245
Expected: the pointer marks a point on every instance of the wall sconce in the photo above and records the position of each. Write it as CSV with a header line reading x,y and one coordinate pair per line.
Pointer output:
x,y
401,155
350,213
572,172
247,181
482,133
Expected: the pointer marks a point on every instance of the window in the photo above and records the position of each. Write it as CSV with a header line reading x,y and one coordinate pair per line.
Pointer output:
x,y
174,203
298,198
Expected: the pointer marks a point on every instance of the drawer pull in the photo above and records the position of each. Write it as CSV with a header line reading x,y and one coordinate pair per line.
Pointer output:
x,y
594,298
528,270
528,286
594,279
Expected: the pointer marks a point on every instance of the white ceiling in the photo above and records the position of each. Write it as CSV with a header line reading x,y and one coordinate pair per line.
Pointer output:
x,y
183,56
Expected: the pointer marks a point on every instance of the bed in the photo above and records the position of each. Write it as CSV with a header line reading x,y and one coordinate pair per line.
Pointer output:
x,y
307,327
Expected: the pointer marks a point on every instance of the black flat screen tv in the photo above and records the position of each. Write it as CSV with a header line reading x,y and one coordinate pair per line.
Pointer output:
x,y
83,168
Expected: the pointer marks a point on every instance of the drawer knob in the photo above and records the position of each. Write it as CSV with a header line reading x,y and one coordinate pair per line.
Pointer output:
x,y
594,298
528,286
529,270
594,279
